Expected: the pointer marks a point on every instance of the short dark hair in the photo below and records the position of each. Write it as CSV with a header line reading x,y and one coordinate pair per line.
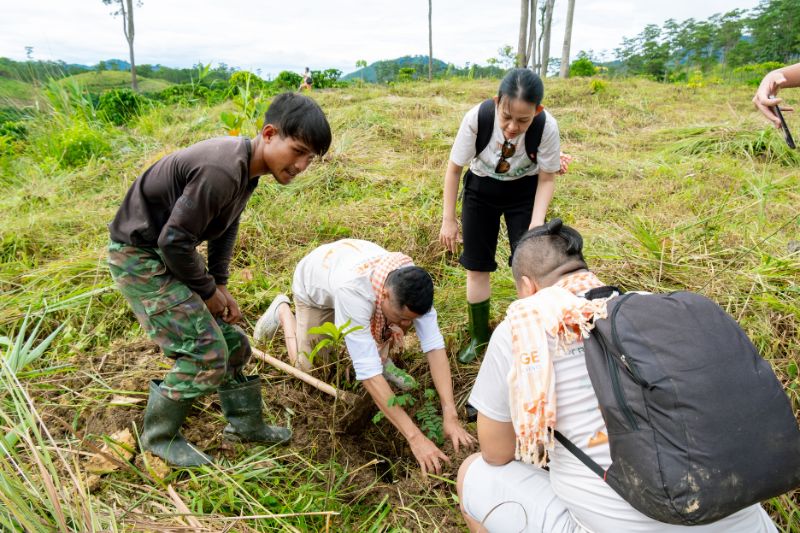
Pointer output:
x,y
412,286
298,116
524,84
543,249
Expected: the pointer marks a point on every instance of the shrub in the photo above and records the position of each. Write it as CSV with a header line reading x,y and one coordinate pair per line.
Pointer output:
x,y
14,130
243,79
79,143
582,66
597,86
184,94
287,80
751,74
118,106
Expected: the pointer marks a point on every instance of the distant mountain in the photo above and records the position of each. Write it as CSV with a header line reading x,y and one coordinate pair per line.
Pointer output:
x,y
385,69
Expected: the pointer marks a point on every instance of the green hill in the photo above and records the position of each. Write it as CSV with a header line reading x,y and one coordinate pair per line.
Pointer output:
x,y
97,82
15,93
387,70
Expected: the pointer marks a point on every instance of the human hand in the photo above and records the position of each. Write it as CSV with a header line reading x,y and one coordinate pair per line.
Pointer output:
x,y
456,433
217,303
448,235
566,159
233,314
769,87
427,454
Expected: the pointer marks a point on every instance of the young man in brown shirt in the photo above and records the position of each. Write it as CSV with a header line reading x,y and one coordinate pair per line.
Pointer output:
x,y
190,196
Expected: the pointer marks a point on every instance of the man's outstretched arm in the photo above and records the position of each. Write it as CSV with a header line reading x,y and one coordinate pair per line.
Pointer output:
x,y
442,381
427,454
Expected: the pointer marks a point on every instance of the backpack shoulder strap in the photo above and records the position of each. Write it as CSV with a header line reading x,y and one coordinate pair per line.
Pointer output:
x,y
485,125
580,455
533,137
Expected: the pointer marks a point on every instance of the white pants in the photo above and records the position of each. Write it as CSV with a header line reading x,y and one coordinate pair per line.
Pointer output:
x,y
513,498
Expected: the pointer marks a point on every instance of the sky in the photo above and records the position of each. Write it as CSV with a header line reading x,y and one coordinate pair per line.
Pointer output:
x,y
271,36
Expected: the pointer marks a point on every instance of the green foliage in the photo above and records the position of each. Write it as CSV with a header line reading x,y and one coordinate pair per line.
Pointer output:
x,y
334,337
402,400
327,79
247,97
287,81
597,86
21,351
753,73
406,74
244,80
119,106
14,129
429,418
186,94
582,66
78,143
768,32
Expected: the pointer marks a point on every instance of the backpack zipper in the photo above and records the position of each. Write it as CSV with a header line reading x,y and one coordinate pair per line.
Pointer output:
x,y
613,369
629,364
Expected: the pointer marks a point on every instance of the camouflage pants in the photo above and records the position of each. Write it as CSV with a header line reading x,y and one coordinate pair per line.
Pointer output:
x,y
207,352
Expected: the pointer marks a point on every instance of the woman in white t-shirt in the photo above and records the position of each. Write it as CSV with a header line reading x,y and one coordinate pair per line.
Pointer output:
x,y
498,493
502,181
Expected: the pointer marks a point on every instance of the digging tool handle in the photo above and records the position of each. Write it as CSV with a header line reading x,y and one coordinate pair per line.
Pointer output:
x,y
347,397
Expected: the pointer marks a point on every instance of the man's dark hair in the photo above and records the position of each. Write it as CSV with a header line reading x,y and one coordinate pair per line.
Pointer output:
x,y
524,84
412,287
300,117
545,249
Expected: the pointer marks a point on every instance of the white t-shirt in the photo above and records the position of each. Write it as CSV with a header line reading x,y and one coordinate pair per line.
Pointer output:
x,y
592,502
548,156
327,279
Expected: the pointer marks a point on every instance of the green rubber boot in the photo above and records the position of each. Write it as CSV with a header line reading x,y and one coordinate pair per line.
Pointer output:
x,y
161,434
241,405
478,331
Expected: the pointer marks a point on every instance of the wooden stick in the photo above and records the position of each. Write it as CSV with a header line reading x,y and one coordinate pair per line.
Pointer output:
x,y
348,397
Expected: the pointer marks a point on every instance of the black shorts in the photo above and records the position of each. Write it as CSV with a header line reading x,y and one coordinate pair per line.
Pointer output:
x,y
485,201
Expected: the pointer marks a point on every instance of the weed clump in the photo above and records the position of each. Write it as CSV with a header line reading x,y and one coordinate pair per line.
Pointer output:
x,y
721,140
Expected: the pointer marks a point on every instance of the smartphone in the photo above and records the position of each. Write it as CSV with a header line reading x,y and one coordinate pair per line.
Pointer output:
x,y
786,133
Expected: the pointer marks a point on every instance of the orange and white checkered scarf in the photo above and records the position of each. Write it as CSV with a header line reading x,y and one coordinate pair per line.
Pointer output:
x,y
381,266
554,317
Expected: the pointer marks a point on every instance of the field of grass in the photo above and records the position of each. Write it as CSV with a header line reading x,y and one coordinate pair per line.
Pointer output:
x,y
15,93
97,82
673,187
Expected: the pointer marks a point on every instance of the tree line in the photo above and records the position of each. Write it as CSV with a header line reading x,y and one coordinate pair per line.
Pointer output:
x,y
766,33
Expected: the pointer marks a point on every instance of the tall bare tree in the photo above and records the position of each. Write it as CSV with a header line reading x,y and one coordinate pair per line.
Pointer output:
x,y
430,40
126,10
547,19
567,40
522,57
531,52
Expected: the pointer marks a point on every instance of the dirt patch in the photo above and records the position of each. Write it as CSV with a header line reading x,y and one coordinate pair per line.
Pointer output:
x,y
80,403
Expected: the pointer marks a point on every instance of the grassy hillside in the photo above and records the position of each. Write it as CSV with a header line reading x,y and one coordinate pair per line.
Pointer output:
x,y
97,82
673,187
15,93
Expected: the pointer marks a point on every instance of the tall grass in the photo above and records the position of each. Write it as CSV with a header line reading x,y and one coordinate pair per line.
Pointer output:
x,y
672,188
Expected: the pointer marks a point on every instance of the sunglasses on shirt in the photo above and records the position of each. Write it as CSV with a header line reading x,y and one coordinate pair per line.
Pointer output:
x,y
506,152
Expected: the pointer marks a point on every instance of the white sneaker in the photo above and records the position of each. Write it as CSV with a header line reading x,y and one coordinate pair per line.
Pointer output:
x,y
269,322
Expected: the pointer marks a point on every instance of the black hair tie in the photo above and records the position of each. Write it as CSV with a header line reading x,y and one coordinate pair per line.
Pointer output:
x,y
554,226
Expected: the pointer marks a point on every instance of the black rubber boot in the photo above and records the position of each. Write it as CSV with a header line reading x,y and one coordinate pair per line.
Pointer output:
x,y
478,331
241,405
161,434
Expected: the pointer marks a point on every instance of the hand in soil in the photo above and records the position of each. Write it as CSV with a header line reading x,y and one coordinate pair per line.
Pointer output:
x,y
427,454
455,432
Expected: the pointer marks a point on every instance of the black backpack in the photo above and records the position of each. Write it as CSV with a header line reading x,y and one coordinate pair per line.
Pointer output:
x,y
699,427
486,124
